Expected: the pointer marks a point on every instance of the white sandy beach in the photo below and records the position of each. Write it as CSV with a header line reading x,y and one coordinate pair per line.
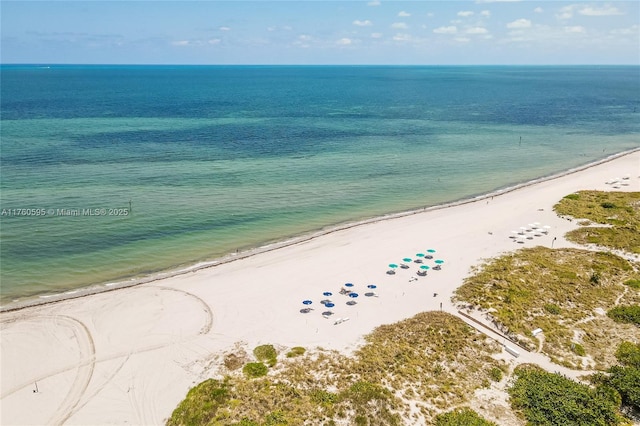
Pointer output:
x,y
130,355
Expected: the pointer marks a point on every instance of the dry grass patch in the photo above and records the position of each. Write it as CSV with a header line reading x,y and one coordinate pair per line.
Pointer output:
x,y
557,290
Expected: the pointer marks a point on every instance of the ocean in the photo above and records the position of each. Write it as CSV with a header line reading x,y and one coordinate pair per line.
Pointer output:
x,y
116,173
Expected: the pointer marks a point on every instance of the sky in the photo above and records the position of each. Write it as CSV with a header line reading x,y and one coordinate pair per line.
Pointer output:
x,y
325,32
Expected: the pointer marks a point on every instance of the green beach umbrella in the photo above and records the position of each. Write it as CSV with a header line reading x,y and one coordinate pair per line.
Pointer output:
x,y
439,261
424,267
420,254
406,259
393,266
431,251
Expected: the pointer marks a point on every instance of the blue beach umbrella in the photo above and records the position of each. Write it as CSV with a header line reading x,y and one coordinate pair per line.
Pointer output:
x,y
348,285
327,293
307,302
439,262
372,286
329,305
354,295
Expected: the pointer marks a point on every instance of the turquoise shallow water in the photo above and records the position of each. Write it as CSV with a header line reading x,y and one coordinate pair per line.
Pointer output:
x,y
214,159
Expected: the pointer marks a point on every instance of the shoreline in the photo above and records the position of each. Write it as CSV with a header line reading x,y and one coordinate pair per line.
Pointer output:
x,y
130,356
99,288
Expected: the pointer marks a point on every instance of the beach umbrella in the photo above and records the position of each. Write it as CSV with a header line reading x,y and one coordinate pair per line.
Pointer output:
x,y
307,302
406,259
393,266
439,262
424,267
327,293
372,286
431,251
354,295
420,254
329,305
351,285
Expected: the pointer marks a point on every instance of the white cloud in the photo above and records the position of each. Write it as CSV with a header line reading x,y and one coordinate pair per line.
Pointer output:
x,y
180,43
485,13
446,30
365,23
404,14
376,35
465,13
214,41
477,30
634,29
462,39
566,12
606,10
402,37
304,37
374,3
519,23
344,41
430,15
399,26
574,30
538,10
224,29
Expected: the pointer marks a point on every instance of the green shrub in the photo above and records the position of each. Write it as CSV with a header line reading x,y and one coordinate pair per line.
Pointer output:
x,y
275,418
322,397
572,197
607,205
552,309
296,351
266,353
551,399
628,354
496,374
626,380
625,314
633,284
461,417
255,369
578,349
201,404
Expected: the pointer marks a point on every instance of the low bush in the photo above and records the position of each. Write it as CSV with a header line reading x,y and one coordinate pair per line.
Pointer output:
x,y
461,417
625,314
255,369
551,399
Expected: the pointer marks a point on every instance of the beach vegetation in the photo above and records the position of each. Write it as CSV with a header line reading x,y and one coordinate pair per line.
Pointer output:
x,y
559,291
624,378
432,360
544,398
616,214
266,354
495,373
625,314
461,417
296,351
635,284
255,369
